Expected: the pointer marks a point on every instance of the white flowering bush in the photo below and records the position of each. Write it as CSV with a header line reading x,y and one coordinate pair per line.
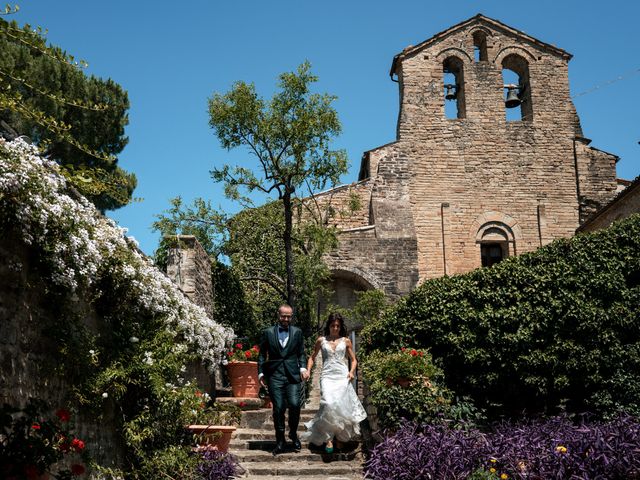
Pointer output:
x,y
78,243
134,361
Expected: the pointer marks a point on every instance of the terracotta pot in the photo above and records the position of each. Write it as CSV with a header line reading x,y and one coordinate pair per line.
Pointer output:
x,y
404,382
212,436
244,379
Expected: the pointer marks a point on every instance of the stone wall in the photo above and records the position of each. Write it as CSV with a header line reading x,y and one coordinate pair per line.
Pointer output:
x,y
624,205
28,366
596,173
27,353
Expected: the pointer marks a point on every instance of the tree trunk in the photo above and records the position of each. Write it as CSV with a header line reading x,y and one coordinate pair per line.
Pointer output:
x,y
288,251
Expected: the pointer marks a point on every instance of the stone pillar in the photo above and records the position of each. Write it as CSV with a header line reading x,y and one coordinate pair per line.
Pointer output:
x,y
189,267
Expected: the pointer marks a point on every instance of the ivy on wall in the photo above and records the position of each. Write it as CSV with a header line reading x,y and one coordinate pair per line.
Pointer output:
x,y
553,329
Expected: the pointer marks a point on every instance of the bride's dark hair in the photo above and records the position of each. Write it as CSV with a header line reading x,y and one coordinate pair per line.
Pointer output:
x,y
332,318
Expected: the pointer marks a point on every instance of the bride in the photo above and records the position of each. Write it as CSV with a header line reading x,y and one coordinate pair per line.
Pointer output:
x,y
340,411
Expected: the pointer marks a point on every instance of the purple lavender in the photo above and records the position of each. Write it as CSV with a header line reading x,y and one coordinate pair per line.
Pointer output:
x,y
216,465
553,448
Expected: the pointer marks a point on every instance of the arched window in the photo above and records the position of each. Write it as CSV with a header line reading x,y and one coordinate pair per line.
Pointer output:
x,y
496,243
454,103
480,46
517,88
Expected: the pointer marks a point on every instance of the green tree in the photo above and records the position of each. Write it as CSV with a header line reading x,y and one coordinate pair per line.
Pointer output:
x,y
290,137
75,119
250,284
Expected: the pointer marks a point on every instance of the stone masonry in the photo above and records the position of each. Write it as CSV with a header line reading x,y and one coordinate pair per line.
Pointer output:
x,y
449,186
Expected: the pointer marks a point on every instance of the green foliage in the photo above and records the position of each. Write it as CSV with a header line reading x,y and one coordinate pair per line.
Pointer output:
x,y
176,462
369,306
290,137
557,328
405,384
199,219
76,120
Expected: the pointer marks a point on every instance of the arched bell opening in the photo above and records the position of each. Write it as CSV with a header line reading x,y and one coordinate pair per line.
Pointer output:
x,y
453,81
517,88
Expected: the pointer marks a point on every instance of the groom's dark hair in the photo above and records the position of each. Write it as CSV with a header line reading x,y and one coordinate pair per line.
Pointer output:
x,y
332,318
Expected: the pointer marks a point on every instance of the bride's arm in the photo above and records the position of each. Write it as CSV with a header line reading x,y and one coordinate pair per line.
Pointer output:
x,y
352,357
316,349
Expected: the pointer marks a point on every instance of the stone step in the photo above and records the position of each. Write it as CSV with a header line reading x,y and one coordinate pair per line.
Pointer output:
x,y
307,455
301,469
263,418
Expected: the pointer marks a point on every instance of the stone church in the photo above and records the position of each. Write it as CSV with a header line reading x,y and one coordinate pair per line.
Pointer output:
x,y
489,161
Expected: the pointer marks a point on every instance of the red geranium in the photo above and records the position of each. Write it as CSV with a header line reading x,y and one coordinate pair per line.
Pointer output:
x,y
63,414
414,352
77,469
77,444
240,355
35,426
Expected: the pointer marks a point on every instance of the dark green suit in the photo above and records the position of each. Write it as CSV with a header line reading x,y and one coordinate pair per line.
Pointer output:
x,y
281,368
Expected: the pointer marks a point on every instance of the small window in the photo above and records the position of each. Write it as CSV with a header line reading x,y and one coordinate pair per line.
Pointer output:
x,y
494,241
491,253
480,47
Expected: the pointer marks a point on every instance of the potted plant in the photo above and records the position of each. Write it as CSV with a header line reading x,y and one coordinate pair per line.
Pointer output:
x,y
213,424
242,368
405,367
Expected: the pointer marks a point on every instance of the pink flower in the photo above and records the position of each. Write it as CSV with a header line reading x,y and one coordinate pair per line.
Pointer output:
x,y
239,345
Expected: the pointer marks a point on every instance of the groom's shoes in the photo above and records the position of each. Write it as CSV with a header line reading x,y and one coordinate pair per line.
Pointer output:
x,y
279,448
297,446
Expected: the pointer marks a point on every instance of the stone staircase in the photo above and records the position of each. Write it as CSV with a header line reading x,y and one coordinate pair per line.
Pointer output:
x,y
254,441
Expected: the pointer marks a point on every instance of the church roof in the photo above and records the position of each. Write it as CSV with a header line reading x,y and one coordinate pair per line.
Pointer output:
x,y
483,20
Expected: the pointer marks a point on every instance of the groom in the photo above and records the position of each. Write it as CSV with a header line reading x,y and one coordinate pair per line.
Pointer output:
x,y
282,366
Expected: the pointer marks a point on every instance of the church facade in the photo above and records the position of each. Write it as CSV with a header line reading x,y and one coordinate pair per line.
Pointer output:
x,y
489,162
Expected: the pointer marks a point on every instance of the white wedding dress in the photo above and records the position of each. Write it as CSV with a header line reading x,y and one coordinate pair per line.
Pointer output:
x,y
340,411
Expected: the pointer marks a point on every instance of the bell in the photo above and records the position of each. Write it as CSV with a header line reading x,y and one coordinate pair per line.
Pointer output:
x,y
451,92
513,99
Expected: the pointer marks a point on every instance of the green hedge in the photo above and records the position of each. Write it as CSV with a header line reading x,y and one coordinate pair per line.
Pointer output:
x,y
555,328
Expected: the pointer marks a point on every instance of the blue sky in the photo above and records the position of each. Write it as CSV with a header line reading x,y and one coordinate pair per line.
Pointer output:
x,y
172,56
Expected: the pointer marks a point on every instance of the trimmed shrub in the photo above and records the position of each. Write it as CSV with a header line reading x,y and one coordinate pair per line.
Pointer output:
x,y
557,327
404,384
554,448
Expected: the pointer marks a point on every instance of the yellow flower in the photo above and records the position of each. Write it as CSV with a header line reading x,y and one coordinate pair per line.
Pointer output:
x,y
504,476
561,449
492,470
493,460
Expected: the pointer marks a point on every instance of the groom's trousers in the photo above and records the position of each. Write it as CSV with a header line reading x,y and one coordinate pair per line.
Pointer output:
x,y
285,393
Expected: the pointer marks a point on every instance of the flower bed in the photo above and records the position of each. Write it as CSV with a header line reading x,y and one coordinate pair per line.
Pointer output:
x,y
555,448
